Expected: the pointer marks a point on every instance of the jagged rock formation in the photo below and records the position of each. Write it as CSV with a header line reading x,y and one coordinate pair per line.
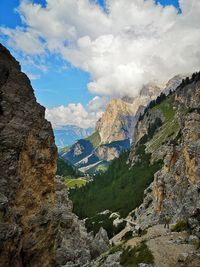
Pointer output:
x,y
111,151
117,122
28,164
37,226
173,83
175,191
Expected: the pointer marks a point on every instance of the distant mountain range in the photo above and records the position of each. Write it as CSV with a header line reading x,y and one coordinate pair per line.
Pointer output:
x,y
69,134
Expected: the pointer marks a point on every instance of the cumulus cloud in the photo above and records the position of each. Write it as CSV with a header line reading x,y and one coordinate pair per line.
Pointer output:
x,y
133,43
74,114
26,41
98,104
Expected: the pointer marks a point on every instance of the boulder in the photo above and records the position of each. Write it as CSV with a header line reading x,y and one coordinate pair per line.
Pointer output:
x,y
183,257
100,243
193,240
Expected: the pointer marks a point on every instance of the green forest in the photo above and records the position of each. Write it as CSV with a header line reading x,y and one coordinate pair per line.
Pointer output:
x,y
66,170
119,189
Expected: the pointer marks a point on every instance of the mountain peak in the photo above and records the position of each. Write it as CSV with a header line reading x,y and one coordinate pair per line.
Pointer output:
x,y
117,121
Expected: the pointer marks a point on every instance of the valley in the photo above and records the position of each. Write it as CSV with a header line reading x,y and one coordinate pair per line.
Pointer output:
x,y
99,133
133,192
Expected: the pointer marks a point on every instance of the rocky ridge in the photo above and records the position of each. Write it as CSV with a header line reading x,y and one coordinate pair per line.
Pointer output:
x,y
37,226
118,121
169,130
175,189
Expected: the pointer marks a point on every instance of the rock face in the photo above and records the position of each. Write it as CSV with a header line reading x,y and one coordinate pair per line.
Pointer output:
x,y
175,191
119,119
81,149
111,151
28,164
173,83
37,226
117,122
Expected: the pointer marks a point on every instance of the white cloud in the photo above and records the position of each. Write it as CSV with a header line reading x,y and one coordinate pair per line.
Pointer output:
x,y
134,43
73,114
98,104
27,41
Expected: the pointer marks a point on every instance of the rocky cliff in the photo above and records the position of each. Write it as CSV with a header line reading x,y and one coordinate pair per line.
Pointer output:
x,y
117,122
37,226
170,131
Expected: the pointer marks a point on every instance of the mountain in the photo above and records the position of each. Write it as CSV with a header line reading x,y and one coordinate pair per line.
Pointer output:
x,y
37,226
161,174
89,156
117,122
113,133
176,141
69,134
173,83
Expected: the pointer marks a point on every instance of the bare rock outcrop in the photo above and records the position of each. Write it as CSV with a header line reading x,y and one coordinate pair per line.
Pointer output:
x,y
28,165
175,191
117,122
37,226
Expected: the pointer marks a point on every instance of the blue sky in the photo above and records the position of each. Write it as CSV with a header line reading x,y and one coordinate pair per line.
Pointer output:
x,y
56,86
78,55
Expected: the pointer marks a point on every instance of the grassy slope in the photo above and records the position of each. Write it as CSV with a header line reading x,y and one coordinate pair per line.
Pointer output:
x,y
169,129
94,139
73,183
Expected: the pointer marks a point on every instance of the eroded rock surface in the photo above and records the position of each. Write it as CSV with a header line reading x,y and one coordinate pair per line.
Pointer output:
x,y
37,226
175,191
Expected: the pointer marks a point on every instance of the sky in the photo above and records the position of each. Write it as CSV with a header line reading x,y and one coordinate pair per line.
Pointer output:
x,y
81,53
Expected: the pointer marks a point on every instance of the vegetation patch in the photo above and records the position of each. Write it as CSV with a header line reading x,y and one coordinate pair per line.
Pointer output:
x,y
180,226
128,235
102,167
65,149
166,133
167,107
94,139
103,220
75,183
66,170
98,169
131,257
115,249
